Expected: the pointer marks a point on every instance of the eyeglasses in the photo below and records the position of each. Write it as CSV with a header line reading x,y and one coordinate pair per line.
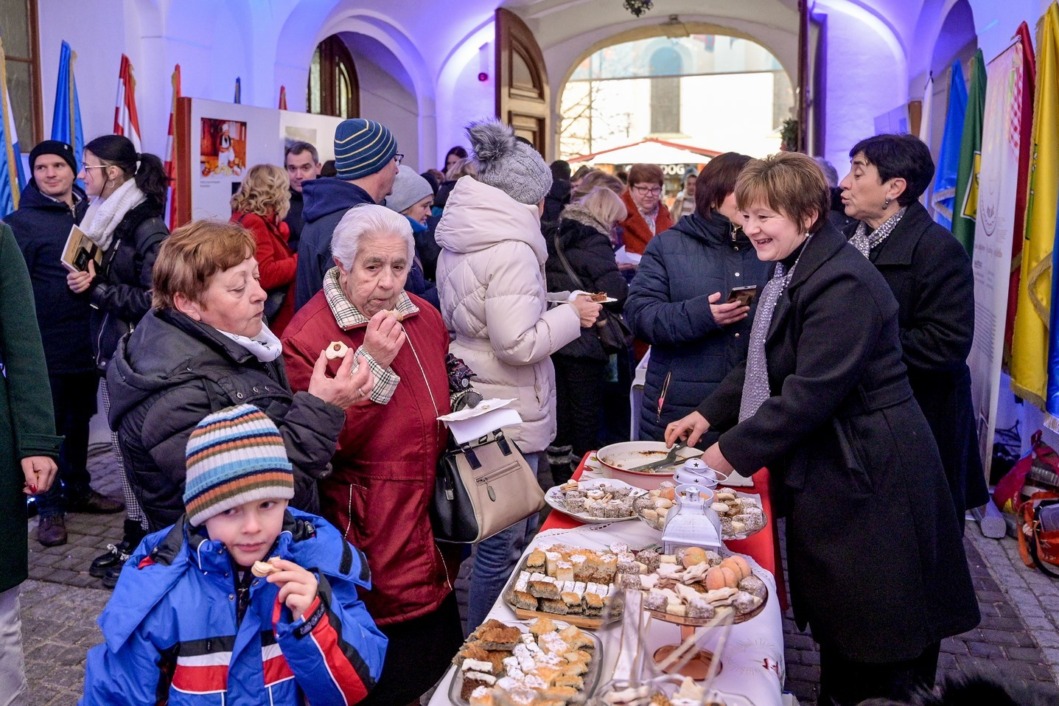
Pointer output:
x,y
94,166
398,157
645,190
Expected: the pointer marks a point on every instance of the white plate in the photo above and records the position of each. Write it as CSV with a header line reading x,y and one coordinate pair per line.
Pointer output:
x,y
554,497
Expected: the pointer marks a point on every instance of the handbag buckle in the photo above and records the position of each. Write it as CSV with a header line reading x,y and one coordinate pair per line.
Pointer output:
x,y
501,443
472,459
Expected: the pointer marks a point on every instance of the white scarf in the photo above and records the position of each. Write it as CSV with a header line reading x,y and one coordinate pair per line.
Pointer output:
x,y
265,346
104,215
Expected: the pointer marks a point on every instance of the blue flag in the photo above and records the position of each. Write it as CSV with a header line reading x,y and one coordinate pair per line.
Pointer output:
x,y
1051,400
944,195
12,177
66,120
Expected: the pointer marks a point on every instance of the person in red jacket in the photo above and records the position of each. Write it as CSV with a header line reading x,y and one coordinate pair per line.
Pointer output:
x,y
382,482
260,206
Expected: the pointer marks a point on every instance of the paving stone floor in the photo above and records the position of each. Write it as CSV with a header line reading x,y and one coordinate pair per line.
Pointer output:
x,y
1017,641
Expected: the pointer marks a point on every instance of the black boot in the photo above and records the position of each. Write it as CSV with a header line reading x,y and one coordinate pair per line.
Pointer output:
x,y
116,556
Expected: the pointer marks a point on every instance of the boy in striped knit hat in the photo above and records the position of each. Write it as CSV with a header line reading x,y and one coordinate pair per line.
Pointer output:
x,y
244,597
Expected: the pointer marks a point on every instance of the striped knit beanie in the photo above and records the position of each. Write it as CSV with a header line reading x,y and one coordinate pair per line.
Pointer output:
x,y
235,456
362,147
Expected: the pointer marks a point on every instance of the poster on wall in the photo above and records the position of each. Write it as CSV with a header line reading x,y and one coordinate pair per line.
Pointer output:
x,y
997,186
218,142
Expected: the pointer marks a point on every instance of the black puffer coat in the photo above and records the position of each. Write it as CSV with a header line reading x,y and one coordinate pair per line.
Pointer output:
x,y
41,226
121,291
170,373
669,308
587,248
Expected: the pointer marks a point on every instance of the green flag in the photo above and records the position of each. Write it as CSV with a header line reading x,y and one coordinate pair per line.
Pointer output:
x,y
966,204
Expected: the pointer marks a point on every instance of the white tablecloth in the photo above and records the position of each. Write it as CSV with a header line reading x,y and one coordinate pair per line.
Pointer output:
x,y
752,660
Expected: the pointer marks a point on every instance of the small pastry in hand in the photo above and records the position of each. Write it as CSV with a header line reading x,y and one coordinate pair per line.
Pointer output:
x,y
397,314
335,350
261,569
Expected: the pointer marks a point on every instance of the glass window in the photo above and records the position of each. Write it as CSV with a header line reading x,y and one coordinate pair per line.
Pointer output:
x,y
333,88
18,30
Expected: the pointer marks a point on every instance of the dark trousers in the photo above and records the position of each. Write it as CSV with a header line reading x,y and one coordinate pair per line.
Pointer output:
x,y
419,652
74,398
846,683
578,406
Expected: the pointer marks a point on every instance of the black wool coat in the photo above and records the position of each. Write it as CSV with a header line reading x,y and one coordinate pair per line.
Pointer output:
x,y
170,373
875,556
41,226
668,307
930,274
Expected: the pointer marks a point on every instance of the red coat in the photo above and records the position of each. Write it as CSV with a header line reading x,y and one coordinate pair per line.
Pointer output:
x,y
636,234
380,491
275,261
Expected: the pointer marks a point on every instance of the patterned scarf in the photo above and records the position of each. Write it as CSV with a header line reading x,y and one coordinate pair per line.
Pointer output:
x,y
756,382
866,242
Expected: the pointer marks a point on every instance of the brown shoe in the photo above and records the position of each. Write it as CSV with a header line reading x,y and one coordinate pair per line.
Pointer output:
x,y
94,503
51,532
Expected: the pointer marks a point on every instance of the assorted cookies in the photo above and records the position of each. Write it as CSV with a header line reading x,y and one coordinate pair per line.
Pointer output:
x,y
547,665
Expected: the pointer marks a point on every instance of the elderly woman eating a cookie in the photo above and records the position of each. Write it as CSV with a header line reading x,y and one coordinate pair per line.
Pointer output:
x,y
380,490
203,347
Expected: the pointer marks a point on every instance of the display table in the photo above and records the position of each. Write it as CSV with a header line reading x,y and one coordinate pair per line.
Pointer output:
x,y
763,546
752,660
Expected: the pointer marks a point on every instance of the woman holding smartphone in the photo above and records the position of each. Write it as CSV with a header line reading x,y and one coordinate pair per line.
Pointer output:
x,y
682,303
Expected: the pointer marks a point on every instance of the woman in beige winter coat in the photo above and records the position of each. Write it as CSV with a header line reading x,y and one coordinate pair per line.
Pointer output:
x,y
491,281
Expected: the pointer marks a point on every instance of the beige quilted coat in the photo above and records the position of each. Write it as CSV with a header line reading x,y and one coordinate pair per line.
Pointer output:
x,y
491,280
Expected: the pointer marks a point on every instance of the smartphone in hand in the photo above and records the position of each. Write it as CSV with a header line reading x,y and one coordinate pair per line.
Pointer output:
x,y
743,295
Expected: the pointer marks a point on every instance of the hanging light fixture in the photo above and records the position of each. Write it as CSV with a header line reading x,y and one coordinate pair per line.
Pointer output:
x,y
638,7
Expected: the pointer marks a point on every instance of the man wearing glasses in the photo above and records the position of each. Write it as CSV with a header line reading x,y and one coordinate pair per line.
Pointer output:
x,y
642,199
366,159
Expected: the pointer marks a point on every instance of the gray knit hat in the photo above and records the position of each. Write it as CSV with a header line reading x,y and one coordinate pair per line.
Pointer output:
x,y
504,162
408,189
362,147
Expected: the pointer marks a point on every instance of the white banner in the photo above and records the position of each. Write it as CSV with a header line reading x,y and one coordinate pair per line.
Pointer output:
x,y
998,183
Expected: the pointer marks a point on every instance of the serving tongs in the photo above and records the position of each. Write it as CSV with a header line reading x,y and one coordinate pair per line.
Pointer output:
x,y
671,459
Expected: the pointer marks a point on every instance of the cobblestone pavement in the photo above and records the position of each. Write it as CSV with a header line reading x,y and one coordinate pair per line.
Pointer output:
x,y
1017,641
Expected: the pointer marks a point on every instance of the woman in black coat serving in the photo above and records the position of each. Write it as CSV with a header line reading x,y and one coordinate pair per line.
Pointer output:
x,y
583,240
678,300
876,562
931,277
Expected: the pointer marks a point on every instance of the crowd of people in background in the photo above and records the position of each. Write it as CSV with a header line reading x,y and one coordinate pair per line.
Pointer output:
x,y
734,294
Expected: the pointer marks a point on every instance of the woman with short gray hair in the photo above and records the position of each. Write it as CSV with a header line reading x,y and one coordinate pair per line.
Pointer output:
x,y
382,482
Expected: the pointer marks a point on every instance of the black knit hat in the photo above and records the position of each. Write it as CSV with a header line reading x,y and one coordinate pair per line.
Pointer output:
x,y
53,147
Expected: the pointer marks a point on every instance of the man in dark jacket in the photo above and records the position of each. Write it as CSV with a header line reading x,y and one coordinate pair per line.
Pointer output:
x,y
366,159
51,204
303,164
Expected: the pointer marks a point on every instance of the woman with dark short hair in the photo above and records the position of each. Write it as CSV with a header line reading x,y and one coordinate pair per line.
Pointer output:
x,y
875,558
678,301
930,274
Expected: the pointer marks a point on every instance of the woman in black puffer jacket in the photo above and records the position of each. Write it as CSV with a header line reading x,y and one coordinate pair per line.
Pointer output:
x,y
583,237
126,192
205,347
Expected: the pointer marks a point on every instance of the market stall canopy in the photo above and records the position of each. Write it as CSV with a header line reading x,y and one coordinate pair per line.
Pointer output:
x,y
650,150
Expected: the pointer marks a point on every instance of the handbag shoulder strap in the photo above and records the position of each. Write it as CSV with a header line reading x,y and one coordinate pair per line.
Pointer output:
x,y
566,263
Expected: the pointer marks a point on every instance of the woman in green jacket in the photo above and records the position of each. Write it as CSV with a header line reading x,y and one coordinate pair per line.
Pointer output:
x,y
28,447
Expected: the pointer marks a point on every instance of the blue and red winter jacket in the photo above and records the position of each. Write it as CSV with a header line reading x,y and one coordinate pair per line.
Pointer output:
x,y
170,633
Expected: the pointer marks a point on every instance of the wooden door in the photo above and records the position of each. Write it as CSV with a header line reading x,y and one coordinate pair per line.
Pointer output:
x,y
522,95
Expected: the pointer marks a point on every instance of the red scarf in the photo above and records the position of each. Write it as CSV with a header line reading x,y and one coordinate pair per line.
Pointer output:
x,y
636,233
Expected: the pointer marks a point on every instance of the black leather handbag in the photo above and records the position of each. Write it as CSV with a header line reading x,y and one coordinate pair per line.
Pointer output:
x,y
482,487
